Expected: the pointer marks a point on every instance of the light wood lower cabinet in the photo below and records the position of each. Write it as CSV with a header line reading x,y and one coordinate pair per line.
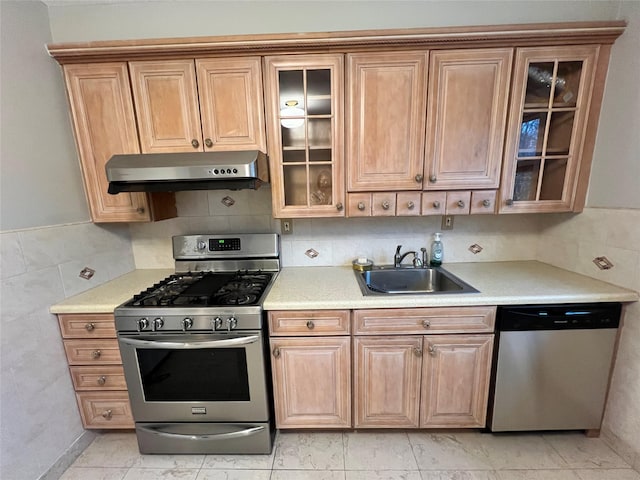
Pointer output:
x,y
96,370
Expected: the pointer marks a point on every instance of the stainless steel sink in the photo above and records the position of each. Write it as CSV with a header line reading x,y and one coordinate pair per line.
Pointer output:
x,y
387,280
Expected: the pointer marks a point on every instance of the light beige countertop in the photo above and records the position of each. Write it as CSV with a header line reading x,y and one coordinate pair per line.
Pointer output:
x,y
106,297
305,288
499,283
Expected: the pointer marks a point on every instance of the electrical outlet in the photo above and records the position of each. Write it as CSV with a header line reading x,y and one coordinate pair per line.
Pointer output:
x,y
447,222
286,226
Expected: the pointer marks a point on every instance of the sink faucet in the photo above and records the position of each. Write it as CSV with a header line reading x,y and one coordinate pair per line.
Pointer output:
x,y
398,257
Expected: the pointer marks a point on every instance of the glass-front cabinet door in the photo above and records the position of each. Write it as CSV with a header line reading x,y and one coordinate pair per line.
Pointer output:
x,y
550,101
305,134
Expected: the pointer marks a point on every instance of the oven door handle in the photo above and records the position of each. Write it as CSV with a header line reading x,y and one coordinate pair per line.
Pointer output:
x,y
247,432
226,342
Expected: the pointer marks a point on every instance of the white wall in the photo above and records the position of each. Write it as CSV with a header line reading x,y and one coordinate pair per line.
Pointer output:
x,y
40,175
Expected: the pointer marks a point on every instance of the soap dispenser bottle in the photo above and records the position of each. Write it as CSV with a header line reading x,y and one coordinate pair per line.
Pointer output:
x,y
437,251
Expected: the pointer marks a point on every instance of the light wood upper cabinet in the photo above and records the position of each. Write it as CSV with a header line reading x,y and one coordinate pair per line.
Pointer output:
x,y
166,99
211,105
104,125
305,130
552,123
466,118
386,104
455,380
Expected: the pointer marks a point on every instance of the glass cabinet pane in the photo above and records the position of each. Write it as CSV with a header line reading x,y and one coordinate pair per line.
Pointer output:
x,y
320,185
539,81
319,82
567,84
291,88
560,129
553,179
532,134
319,132
295,185
293,134
527,172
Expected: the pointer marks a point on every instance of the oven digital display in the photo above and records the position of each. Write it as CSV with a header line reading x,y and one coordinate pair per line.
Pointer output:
x,y
224,244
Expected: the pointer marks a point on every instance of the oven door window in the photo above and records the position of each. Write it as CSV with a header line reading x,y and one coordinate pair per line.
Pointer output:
x,y
200,375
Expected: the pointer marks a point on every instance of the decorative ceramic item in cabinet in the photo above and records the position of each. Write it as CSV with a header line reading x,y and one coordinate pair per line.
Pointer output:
x,y
551,97
104,125
386,102
215,104
466,118
305,107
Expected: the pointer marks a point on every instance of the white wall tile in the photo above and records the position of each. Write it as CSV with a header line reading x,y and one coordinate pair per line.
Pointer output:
x,y
11,257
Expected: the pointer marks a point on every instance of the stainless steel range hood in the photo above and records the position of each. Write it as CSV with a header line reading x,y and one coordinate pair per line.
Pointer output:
x,y
172,172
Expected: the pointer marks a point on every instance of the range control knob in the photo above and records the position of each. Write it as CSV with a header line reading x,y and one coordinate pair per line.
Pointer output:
x,y
157,323
201,245
231,323
216,323
186,323
142,323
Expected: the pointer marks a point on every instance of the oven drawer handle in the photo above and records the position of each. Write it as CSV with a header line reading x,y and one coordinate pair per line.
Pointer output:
x,y
247,432
227,342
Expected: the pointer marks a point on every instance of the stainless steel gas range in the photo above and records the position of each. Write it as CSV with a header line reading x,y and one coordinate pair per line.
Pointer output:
x,y
195,348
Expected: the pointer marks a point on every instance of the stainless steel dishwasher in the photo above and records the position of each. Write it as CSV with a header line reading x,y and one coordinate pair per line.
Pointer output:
x,y
552,366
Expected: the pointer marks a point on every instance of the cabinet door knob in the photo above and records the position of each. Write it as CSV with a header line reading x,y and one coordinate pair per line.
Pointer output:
x,y
310,325
208,142
361,206
509,201
436,204
432,350
96,354
89,326
426,323
417,351
410,205
460,204
386,205
339,206
276,352
433,178
419,178
107,414
195,143
486,203
102,380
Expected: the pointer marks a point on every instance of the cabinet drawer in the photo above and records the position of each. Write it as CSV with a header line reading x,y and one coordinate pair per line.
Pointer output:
x,y
87,352
309,323
434,203
458,203
424,320
107,377
100,325
359,205
408,204
105,409
383,204
483,202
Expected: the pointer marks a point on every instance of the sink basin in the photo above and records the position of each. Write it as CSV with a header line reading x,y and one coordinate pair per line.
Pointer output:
x,y
391,281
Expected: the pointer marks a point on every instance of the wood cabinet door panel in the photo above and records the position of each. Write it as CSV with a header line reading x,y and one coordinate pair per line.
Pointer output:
x,y
105,409
404,321
166,106
386,120
309,323
455,380
87,352
103,377
99,325
312,382
100,100
387,381
231,103
466,117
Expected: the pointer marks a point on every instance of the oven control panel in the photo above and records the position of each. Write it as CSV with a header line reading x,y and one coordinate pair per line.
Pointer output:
x,y
224,244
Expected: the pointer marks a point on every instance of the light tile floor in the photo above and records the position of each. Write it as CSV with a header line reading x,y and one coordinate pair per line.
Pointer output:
x,y
368,456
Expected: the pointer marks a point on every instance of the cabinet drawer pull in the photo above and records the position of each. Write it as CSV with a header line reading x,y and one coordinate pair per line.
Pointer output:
x,y
107,414
410,205
89,326
208,142
386,205
426,323
102,380
96,354
361,206
433,178
339,206
436,204
460,204
276,352
486,203
418,178
310,325
432,350
195,143
417,351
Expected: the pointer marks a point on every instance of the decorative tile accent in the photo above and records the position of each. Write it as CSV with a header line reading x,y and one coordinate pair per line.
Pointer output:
x,y
475,248
87,273
603,263
311,253
227,201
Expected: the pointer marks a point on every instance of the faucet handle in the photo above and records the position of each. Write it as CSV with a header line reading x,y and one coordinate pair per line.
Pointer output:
x,y
398,248
425,257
